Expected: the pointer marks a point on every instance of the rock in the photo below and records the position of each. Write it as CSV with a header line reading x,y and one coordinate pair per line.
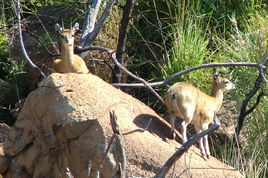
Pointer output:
x,y
4,130
4,88
65,125
228,115
4,161
6,96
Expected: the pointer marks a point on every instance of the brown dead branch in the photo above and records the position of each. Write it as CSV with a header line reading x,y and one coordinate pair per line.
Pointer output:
x,y
172,160
260,95
123,38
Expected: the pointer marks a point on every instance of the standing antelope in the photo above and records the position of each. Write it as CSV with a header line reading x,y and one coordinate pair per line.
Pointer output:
x,y
195,107
70,62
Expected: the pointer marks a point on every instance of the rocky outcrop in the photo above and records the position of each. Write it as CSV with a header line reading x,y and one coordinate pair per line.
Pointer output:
x,y
65,125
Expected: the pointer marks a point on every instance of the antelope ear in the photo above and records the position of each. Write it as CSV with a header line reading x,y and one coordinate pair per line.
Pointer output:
x,y
58,28
215,74
76,27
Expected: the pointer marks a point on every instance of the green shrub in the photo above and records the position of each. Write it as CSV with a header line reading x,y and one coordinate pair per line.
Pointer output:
x,y
11,72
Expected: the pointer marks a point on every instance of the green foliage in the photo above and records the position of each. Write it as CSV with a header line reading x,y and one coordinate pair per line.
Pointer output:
x,y
4,55
11,72
34,5
189,44
245,46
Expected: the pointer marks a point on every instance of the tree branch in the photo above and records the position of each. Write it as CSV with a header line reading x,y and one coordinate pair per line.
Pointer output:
x,y
90,32
89,20
28,60
172,77
261,94
172,160
128,8
97,173
113,56
121,154
89,168
41,43
257,85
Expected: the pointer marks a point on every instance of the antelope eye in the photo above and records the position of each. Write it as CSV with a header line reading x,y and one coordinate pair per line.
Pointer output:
x,y
226,82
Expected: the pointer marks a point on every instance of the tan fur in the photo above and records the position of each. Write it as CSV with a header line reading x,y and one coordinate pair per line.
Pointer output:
x,y
70,62
194,106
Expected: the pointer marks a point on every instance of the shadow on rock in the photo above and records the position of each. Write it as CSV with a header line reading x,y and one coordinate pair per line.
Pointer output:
x,y
155,126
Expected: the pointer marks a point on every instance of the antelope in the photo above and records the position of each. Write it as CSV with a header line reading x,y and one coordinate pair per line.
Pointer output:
x,y
70,62
196,107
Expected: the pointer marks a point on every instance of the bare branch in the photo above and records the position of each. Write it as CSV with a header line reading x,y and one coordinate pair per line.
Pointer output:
x,y
172,160
262,70
172,77
121,154
90,32
260,95
257,85
28,60
89,168
113,56
41,43
123,37
105,156
90,19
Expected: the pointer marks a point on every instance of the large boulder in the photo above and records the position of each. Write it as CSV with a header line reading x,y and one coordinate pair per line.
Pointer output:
x,y
65,125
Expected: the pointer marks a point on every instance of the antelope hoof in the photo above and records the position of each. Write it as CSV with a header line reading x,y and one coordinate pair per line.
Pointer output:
x,y
208,156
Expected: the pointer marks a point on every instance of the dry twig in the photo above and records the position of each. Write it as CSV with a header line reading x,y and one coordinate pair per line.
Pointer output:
x,y
243,111
120,150
113,56
172,160
127,11
121,154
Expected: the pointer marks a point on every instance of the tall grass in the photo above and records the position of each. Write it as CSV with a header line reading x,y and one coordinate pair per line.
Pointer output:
x,y
189,43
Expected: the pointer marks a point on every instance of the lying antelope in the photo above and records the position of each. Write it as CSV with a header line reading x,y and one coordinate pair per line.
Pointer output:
x,y
195,107
70,62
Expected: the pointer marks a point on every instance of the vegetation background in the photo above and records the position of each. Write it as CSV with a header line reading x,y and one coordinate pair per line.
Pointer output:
x,y
167,36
